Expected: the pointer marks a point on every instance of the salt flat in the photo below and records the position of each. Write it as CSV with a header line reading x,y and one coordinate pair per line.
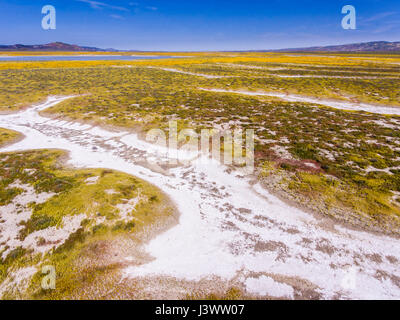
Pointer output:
x,y
229,227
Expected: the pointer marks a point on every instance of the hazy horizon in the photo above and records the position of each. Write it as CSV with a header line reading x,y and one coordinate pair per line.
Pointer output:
x,y
188,51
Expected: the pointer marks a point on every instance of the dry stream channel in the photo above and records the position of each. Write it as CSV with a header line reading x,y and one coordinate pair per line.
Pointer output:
x,y
229,226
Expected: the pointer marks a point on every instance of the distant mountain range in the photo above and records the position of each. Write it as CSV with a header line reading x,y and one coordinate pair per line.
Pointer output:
x,y
375,46
54,46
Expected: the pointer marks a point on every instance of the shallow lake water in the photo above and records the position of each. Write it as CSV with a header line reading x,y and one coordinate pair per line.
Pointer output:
x,y
78,58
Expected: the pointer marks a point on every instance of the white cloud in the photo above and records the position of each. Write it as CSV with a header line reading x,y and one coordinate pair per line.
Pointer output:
x,y
380,16
117,16
102,5
386,27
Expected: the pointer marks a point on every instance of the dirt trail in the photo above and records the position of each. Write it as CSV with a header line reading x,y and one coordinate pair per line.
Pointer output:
x,y
229,227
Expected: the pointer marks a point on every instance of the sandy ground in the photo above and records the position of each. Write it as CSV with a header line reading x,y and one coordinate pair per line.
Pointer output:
x,y
330,103
230,227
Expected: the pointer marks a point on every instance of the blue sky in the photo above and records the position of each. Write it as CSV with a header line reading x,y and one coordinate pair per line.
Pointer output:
x,y
199,25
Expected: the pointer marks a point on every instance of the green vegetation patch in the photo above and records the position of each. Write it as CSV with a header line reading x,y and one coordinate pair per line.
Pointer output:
x,y
102,196
359,149
8,136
